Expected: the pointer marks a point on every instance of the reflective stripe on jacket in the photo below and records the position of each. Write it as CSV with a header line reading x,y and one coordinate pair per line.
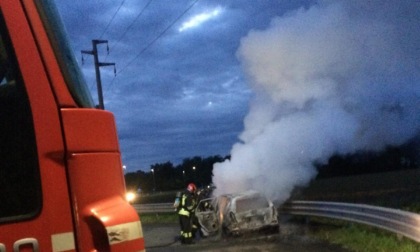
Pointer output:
x,y
187,204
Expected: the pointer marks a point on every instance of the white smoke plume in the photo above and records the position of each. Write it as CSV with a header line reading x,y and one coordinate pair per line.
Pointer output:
x,y
338,77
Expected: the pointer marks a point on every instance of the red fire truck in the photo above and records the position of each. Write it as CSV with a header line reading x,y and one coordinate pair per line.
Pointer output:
x,y
61,181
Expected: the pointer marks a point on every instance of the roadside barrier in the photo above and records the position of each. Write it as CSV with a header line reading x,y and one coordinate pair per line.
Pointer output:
x,y
154,208
400,222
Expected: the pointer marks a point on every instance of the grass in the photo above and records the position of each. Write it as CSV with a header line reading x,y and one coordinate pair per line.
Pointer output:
x,y
356,237
415,208
398,189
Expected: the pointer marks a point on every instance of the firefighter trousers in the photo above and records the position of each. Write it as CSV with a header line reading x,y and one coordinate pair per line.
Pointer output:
x,y
186,229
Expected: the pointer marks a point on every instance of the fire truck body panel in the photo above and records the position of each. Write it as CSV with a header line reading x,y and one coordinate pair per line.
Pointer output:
x,y
45,47
53,215
61,181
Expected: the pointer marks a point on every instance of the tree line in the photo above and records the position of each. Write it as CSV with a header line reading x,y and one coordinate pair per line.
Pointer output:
x,y
403,157
166,176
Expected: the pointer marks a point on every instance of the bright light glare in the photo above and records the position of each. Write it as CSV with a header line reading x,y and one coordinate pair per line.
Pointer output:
x,y
130,196
199,19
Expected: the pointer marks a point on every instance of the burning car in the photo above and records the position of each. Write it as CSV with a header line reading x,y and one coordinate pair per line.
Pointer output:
x,y
236,213
207,217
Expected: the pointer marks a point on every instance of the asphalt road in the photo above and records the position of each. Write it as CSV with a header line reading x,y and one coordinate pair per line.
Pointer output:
x,y
162,237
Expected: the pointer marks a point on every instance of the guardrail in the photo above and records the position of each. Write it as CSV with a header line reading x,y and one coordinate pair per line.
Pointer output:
x,y
397,221
394,220
154,208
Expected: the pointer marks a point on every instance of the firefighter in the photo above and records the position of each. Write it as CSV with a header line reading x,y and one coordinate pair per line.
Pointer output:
x,y
186,211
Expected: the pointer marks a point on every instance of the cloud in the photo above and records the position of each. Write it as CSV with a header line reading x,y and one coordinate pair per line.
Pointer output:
x,y
337,77
199,19
173,81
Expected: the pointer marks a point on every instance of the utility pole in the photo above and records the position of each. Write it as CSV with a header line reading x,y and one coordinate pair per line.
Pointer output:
x,y
98,64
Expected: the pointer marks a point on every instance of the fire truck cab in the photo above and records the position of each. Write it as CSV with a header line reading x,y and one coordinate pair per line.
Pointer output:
x,y
61,180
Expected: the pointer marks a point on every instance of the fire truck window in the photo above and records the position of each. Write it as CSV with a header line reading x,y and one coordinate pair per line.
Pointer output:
x,y
20,190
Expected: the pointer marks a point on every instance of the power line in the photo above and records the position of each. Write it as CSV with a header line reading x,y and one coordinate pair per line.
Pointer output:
x,y
132,23
158,37
152,42
128,27
110,21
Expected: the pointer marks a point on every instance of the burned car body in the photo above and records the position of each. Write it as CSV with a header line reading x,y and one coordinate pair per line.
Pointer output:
x,y
207,217
237,213
247,211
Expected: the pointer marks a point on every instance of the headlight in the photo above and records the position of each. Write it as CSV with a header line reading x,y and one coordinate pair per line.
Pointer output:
x,y
130,197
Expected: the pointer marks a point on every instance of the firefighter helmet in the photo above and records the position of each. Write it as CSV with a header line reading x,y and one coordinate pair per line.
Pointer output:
x,y
191,187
